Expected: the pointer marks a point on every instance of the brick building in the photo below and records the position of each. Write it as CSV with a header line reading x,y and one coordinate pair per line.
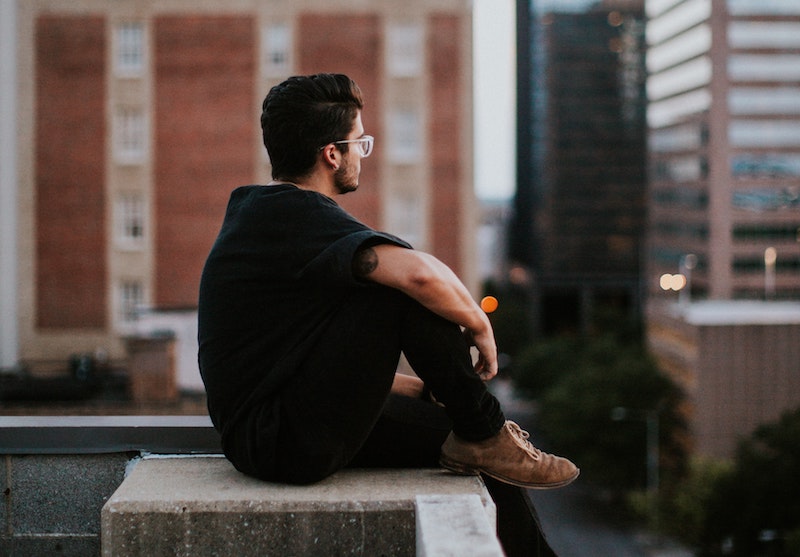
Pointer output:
x,y
135,120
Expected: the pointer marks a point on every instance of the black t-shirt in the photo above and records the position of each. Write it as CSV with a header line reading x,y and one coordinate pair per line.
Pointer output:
x,y
280,267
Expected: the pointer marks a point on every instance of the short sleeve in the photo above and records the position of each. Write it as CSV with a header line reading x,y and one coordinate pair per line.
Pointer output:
x,y
335,262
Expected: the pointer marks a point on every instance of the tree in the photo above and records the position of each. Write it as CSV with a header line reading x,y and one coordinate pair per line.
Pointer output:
x,y
755,510
576,412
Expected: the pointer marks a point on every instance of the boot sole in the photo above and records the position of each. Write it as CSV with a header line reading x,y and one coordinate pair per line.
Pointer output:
x,y
465,470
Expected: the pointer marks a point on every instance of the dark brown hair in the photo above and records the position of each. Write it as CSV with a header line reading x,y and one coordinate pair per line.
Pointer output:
x,y
303,114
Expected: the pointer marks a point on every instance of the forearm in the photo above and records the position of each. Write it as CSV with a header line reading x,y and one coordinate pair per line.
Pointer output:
x,y
424,278
442,292
429,281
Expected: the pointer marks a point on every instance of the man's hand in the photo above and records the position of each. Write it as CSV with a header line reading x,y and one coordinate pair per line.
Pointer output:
x,y
486,365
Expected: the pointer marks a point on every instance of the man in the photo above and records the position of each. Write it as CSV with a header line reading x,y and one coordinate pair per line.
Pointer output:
x,y
304,312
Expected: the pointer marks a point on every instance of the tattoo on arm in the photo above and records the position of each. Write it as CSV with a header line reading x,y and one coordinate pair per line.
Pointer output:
x,y
364,262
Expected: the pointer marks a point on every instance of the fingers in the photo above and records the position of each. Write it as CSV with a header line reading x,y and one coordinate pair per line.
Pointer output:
x,y
486,368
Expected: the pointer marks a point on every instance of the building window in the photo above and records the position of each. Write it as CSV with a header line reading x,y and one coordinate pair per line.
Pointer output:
x,y
129,135
129,44
763,232
404,217
766,199
685,77
689,168
276,46
675,109
763,7
404,50
751,165
764,67
764,133
404,141
764,100
763,34
679,138
130,220
131,299
689,198
672,22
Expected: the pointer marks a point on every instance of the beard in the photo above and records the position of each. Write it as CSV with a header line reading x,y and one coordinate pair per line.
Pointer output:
x,y
345,179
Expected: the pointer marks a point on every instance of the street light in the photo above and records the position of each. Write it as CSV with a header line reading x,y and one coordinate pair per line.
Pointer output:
x,y
770,258
687,264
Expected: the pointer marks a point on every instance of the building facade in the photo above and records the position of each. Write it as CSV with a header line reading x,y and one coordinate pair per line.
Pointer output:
x,y
724,210
736,361
580,204
135,119
724,135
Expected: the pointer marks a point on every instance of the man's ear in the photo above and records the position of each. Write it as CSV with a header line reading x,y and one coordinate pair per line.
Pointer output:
x,y
331,156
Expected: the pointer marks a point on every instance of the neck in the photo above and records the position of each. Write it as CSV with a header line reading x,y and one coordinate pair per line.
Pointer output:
x,y
313,182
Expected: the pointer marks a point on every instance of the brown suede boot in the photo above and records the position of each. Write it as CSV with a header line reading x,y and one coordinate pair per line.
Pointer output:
x,y
508,457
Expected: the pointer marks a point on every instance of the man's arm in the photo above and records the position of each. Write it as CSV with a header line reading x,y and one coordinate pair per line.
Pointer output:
x,y
433,284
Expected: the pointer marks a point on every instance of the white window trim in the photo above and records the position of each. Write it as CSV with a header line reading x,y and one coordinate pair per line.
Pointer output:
x,y
130,209
131,131
130,51
277,38
405,50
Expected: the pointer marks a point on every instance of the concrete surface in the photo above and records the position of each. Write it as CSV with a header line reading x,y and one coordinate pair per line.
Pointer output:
x,y
203,506
454,526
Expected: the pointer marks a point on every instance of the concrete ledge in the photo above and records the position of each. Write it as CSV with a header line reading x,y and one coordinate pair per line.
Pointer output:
x,y
203,506
107,434
454,526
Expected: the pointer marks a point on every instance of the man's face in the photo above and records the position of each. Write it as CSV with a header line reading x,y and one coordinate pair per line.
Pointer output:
x,y
346,177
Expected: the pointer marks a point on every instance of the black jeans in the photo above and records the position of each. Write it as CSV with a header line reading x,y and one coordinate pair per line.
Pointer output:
x,y
338,410
330,413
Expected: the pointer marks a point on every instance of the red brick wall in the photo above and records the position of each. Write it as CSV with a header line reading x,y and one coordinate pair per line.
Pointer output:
x,y
70,172
204,133
446,141
352,45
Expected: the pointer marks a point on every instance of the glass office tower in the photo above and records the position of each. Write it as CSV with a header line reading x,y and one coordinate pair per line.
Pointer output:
x,y
578,227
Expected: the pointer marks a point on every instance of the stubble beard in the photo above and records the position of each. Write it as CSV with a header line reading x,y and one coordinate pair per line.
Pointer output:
x,y
345,180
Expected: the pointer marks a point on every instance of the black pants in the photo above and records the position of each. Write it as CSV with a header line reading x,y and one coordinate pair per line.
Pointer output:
x,y
330,412
338,410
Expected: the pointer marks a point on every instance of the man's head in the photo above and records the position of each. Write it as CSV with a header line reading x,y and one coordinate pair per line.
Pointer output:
x,y
303,114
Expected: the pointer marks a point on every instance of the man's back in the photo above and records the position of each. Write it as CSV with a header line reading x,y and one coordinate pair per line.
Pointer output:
x,y
281,265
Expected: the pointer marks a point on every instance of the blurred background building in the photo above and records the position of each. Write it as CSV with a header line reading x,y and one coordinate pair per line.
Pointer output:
x,y
659,173
724,120
724,210
658,169
135,120
579,212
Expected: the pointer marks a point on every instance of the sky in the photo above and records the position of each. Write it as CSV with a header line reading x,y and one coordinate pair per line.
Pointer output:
x,y
495,92
495,98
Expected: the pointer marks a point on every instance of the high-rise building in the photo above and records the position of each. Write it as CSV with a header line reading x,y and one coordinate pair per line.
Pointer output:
x,y
135,120
580,204
724,136
724,210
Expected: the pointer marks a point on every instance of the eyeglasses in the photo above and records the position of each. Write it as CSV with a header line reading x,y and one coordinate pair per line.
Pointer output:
x,y
364,144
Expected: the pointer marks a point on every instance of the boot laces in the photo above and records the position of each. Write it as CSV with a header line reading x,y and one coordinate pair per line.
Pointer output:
x,y
521,437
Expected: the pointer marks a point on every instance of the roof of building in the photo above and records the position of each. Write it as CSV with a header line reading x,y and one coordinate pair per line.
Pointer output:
x,y
740,312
